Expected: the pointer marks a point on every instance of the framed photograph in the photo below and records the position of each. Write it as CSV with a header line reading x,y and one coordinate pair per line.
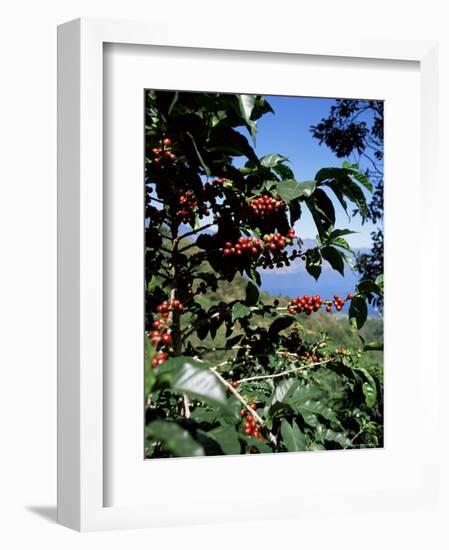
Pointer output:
x,y
235,300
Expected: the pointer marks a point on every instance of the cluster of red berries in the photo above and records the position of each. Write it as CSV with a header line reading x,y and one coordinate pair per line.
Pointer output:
x,y
340,351
157,337
160,334
309,304
164,152
250,427
266,206
189,203
245,245
337,302
305,303
159,358
165,307
276,241
310,357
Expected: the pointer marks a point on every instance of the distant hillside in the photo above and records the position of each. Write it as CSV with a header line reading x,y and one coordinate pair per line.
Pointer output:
x,y
283,284
335,325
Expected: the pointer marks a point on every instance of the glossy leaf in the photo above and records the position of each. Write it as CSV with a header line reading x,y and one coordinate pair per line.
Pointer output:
x,y
174,439
187,375
270,161
368,287
239,311
280,323
252,293
227,438
282,390
376,345
290,189
247,103
369,388
358,312
313,262
333,256
292,437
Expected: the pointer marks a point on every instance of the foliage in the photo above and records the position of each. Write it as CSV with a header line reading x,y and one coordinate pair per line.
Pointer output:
x,y
235,371
355,127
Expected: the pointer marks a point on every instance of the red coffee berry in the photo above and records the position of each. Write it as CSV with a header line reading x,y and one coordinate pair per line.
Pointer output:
x,y
266,206
167,142
166,339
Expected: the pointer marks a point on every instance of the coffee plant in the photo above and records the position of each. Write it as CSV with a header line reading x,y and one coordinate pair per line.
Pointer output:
x,y
216,213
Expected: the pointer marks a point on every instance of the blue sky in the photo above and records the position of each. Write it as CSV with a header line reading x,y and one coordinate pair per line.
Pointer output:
x,y
288,132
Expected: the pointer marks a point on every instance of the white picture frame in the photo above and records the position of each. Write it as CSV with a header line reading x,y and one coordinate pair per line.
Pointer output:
x,y
81,386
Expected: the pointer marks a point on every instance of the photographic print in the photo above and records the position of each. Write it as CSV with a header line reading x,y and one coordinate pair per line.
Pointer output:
x,y
263,274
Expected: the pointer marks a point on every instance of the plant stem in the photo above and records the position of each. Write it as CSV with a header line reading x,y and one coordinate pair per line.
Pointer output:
x,y
175,315
195,231
244,403
283,373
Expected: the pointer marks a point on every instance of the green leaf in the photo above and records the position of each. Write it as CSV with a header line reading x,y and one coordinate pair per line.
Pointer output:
x,y
368,287
270,161
340,233
201,414
174,439
253,274
337,437
234,340
361,178
339,180
376,345
311,409
227,438
295,211
246,104
280,323
358,312
231,142
355,195
325,174
187,375
342,243
313,262
284,172
239,311
369,389
252,293
282,390
200,158
290,189
333,256
293,438
347,164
